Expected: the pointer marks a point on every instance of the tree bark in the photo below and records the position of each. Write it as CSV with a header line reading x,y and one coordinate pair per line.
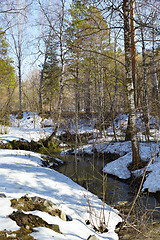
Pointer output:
x,y
116,82
129,83
20,86
155,81
77,90
88,95
57,125
133,47
41,83
146,109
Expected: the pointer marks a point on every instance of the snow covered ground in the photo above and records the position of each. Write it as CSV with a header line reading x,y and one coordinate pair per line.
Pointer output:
x,y
21,173
148,151
119,167
30,127
33,127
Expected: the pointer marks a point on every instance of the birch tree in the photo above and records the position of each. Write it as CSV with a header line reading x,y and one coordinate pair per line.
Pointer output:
x,y
17,30
129,82
57,26
142,30
155,80
133,47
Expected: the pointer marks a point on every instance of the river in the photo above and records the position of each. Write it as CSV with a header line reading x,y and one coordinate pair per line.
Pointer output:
x,y
87,172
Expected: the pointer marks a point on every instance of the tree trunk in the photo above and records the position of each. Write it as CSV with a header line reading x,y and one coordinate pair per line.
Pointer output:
x,y
129,83
77,90
133,48
41,83
102,95
155,81
88,96
57,125
116,82
146,110
20,86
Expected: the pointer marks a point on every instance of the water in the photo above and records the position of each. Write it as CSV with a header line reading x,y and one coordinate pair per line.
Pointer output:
x,y
87,171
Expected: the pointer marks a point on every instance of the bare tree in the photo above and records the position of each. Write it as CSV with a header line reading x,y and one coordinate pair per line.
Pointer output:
x,y
155,81
129,82
16,25
47,40
57,27
133,47
142,30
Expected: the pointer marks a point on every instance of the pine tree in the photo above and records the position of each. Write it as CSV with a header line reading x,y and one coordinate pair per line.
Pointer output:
x,y
88,41
7,73
51,77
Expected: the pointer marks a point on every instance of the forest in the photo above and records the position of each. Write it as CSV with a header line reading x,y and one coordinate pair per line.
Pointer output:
x,y
85,75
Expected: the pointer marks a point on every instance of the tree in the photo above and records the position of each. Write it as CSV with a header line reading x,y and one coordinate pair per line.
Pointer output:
x,y
129,82
30,87
133,47
88,41
16,25
142,30
47,40
44,40
57,26
7,74
74,42
51,77
153,34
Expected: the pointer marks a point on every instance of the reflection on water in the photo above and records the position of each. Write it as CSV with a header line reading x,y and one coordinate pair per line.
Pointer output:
x,y
87,171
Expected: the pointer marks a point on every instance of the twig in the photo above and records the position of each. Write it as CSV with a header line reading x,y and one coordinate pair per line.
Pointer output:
x,y
130,225
138,191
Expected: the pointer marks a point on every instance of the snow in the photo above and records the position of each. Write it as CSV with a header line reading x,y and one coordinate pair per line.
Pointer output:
x,y
30,127
21,173
148,151
152,182
119,167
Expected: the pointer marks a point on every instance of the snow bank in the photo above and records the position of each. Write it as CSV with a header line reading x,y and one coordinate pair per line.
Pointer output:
x,y
21,173
147,152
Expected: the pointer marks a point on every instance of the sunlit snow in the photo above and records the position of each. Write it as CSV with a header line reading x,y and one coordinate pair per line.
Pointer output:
x,y
21,173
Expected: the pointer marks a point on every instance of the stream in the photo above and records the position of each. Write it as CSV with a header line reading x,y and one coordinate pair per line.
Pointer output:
x,y
87,172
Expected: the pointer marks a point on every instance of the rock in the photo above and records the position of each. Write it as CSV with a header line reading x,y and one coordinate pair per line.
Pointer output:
x,y
87,222
42,201
2,195
29,221
10,235
27,203
20,234
123,203
92,237
118,226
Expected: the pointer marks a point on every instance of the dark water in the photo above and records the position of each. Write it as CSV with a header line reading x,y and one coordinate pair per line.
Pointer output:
x,y
87,171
